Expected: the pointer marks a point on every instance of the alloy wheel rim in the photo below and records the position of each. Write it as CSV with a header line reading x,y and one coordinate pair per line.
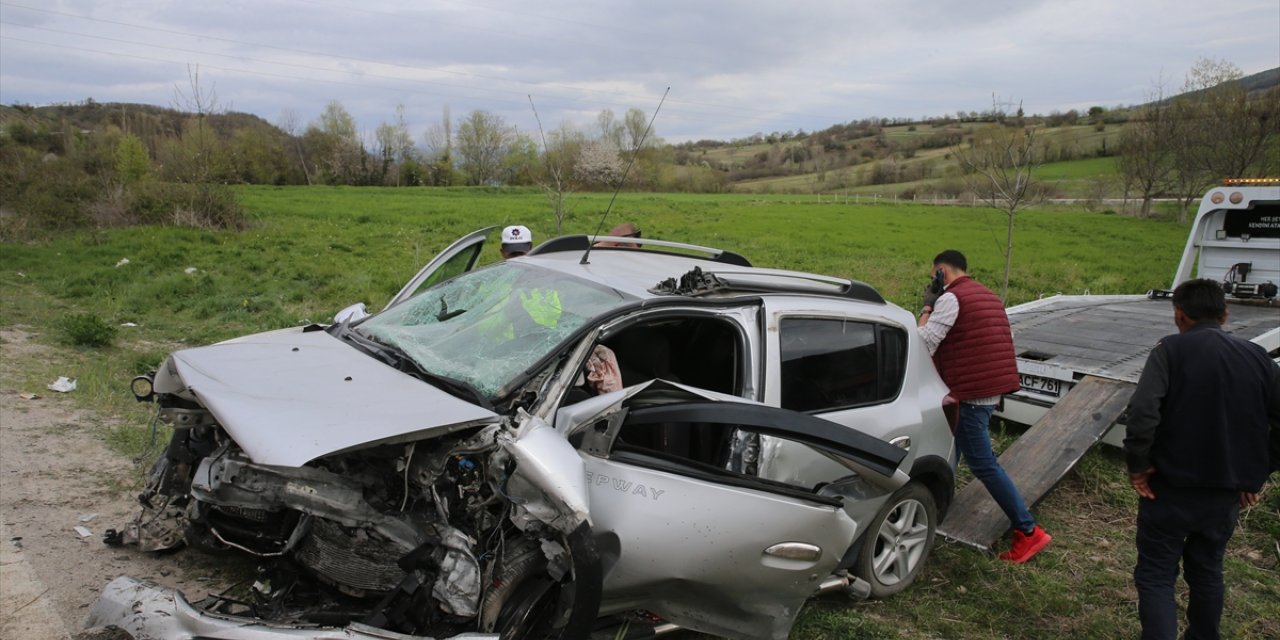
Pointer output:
x,y
900,543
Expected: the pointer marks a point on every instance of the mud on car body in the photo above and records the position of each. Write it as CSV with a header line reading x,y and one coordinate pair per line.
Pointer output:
x,y
439,469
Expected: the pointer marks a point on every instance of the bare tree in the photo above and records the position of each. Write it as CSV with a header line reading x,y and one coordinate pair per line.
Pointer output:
x,y
202,101
609,128
999,165
1213,130
394,146
1145,160
1230,130
290,124
439,141
557,175
635,123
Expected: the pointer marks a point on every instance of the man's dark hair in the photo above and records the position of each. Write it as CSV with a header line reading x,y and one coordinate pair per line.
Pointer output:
x,y
1200,299
952,258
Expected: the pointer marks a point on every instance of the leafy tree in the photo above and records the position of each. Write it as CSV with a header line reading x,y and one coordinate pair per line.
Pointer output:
x,y
483,142
334,142
133,164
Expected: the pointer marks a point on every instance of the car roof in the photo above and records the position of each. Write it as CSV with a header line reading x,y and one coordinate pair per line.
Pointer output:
x,y
642,272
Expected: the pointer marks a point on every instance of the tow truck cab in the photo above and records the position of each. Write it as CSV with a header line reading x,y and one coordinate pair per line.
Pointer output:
x,y
1235,239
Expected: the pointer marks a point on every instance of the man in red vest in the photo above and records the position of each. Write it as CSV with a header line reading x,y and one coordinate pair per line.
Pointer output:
x,y
967,331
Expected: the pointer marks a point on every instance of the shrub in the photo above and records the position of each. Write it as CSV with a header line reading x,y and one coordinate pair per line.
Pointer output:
x,y
204,206
87,330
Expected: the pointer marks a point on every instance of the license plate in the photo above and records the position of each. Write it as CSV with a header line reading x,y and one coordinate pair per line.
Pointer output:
x,y
1041,385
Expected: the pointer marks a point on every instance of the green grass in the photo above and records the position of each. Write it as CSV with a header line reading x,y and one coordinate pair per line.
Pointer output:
x,y
312,250
1077,169
1071,179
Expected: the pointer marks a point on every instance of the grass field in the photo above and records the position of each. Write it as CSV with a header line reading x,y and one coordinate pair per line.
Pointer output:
x,y
312,250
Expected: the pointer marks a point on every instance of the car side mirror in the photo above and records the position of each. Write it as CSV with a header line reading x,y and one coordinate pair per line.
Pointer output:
x,y
352,313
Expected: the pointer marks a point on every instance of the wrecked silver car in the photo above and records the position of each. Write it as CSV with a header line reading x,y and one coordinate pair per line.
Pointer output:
x,y
662,437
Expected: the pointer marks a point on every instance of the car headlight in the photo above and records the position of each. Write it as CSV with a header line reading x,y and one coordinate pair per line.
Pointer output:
x,y
143,387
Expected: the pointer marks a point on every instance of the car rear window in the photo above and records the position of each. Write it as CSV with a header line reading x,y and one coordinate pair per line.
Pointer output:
x,y
831,363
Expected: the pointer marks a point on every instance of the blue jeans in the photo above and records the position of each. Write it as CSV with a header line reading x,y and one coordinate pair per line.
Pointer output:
x,y
1191,526
974,444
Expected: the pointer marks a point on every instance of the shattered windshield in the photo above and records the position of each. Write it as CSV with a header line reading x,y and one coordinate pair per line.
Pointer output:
x,y
487,326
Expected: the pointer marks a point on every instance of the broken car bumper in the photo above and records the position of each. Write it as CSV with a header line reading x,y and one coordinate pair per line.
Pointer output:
x,y
149,611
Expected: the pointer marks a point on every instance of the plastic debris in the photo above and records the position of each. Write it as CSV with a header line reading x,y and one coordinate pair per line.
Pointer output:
x,y
191,270
128,324
63,384
123,262
28,396
88,517
83,532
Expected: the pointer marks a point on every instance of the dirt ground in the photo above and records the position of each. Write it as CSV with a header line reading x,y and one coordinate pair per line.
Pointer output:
x,y
56,474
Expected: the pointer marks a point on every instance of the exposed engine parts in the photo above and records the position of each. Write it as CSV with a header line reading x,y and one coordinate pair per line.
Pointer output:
x,y
413,538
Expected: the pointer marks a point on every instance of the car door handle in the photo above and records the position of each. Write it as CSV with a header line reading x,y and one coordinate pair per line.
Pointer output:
x,y
796,551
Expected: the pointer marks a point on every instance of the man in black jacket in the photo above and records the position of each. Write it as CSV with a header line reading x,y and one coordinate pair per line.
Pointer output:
x,y
1203,429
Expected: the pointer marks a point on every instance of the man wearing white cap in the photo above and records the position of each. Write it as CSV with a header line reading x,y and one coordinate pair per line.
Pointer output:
x,y
517,240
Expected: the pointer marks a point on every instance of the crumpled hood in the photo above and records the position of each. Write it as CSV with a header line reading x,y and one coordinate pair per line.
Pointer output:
x,y
288,397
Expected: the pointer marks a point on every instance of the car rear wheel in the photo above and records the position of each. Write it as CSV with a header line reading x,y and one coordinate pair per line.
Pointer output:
x,y
901,537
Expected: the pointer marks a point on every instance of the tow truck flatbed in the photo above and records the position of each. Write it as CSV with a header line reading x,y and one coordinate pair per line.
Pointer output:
x,y
1062,339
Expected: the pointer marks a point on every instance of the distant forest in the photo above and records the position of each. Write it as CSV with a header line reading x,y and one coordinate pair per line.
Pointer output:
x,y
71,165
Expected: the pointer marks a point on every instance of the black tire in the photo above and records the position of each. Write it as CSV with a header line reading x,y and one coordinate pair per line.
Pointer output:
x,y
528,604
898,541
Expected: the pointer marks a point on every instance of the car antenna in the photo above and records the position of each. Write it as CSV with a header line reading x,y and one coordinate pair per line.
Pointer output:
x,y
635,152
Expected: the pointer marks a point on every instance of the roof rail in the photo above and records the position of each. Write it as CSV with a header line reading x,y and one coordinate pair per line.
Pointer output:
x,y
583,242
698,282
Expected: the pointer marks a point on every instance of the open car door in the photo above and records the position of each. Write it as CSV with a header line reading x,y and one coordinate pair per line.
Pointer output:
x,y
458,258
706,547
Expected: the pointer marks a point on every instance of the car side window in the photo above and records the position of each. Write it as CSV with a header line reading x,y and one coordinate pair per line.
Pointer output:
x,y
831,363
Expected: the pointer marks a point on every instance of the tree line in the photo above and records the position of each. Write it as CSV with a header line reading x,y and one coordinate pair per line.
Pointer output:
x,y
1213,129
68,166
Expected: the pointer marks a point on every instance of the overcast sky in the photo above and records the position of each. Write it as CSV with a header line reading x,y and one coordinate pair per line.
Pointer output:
x,y
734,67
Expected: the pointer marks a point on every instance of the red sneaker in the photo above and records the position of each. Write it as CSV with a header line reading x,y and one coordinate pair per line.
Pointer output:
x,y
1025,546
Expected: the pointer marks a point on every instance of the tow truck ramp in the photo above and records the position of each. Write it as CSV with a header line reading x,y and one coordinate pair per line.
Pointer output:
x,y
1039,459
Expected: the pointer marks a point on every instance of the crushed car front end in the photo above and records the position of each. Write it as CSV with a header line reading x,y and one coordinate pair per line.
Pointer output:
x,y
374,503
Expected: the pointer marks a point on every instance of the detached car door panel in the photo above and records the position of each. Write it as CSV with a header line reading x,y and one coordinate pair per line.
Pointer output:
x,y
705,547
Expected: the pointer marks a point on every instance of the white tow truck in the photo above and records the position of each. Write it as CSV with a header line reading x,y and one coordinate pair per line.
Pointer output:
x,y
1234,239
